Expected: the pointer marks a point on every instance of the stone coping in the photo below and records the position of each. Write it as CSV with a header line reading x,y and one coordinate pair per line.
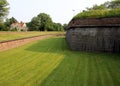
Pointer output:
x,y
95,22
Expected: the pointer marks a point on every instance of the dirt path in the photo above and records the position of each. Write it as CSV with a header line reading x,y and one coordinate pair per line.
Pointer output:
x,y
19,42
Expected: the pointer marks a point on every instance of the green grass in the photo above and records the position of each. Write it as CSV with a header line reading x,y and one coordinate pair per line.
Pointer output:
x,y
4,36
49,62
98,14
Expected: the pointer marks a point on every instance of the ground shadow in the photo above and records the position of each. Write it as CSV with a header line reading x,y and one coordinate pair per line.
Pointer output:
x,y
59,45
77,68
51,45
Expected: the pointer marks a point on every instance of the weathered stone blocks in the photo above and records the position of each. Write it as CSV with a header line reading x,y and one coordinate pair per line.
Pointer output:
x,y
93,36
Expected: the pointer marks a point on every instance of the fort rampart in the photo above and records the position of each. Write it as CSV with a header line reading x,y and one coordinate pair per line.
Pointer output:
x,y
94,34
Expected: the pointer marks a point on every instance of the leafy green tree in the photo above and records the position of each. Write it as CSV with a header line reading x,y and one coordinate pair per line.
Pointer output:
x,y
2,27
46,22
43,22
58,27
13,20
114,4
34,25
55,27
4,9
9,21
65,26
107,5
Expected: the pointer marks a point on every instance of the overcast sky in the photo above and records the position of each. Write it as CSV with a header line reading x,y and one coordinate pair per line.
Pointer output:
x,y
59,10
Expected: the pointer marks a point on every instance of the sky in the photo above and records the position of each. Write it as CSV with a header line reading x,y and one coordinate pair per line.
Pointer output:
x,y
61,11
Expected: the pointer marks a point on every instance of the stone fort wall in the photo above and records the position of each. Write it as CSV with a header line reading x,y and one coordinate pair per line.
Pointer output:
x,y
94,35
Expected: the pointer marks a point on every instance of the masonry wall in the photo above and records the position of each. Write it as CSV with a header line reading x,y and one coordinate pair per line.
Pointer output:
x,y
103,39
115,21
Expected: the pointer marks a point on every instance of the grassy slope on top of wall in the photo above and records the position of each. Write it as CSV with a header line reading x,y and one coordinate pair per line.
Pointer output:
x,y
98,14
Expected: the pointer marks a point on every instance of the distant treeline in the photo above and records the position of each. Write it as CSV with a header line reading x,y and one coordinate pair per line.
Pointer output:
x,y
42,22
107,9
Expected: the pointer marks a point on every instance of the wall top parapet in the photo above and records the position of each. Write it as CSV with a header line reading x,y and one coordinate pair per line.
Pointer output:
x,y
95,22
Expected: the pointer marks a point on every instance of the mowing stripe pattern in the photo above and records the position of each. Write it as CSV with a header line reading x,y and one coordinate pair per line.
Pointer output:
x,y
49,62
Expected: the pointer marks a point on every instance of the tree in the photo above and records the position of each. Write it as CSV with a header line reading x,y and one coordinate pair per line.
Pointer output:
x,y
9,21
58,27
13,20
3,9
2,27
65,26
114,4
43,22
107,5
46,22
55,27
34,25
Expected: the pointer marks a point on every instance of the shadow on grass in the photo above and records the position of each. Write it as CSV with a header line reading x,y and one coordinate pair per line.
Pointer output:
x,y
59,45
78,68
51,45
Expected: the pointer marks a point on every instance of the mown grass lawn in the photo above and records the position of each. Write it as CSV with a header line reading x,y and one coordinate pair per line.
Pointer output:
x,y
7,35
49,62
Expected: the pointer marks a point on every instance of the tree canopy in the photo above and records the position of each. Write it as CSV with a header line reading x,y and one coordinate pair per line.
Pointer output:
x,y
4,9
34,24
10,21
43,22
46,22
114,4
58,27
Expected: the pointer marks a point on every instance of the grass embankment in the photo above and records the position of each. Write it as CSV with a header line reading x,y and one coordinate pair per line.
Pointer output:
x,y
16,35
98,14
49,62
